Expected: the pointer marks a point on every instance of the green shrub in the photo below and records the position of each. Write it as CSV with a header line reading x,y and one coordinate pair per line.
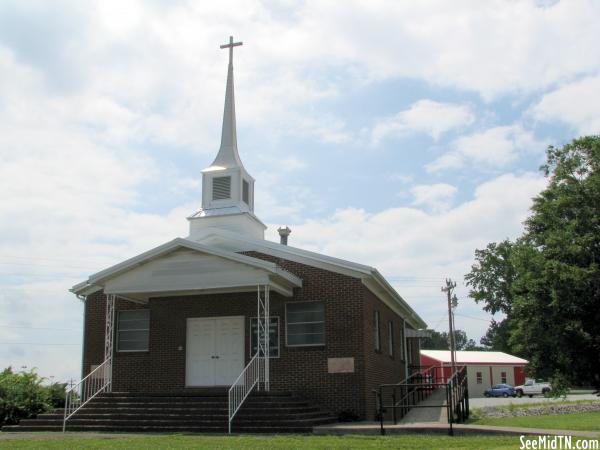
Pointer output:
x,y
22,396
58,393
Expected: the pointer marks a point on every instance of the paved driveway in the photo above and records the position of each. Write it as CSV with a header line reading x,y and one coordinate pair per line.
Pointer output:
x,y
495,401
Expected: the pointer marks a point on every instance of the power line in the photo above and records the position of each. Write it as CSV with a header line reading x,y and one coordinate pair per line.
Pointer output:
x,y
62,266
40,328
439,322
36,343
474,318
54,258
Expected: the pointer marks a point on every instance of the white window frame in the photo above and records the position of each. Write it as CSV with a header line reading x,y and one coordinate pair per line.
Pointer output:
x,y
119,330
278,337
479,377
286,325
504,379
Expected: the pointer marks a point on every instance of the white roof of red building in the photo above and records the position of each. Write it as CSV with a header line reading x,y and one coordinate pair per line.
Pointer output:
x,y
473,357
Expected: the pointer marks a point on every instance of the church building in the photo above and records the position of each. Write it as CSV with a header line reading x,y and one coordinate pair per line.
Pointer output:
x,y
225,312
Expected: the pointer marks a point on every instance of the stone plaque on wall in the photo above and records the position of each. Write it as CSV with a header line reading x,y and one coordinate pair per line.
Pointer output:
x,y
340,365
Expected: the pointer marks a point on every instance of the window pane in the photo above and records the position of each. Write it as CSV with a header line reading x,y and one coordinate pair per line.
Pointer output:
x,y
306,328
305,323
134,314
133,330
306,339
273,336
305,316
133,324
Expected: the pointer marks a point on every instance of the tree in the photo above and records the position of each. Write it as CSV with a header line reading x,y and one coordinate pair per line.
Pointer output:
x,y
22,396
547,282
440,341
497,337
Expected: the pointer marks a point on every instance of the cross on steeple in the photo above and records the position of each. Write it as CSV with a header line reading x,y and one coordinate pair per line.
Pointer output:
x,y
230,47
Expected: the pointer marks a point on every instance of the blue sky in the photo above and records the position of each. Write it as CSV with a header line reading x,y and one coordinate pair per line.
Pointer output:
x,y
397,134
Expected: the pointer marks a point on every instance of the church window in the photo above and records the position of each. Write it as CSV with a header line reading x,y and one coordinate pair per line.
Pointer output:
x,y
273,337
133,330
391,339
305,324
376,331
221,188
246,192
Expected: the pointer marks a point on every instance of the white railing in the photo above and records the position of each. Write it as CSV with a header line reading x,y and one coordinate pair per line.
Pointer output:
x,y
257,370
241,388
97,381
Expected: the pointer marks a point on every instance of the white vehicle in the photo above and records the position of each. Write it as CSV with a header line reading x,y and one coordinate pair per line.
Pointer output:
x,y
533,387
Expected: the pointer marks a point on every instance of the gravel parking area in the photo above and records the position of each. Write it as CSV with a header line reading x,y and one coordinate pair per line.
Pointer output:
x,y
495,401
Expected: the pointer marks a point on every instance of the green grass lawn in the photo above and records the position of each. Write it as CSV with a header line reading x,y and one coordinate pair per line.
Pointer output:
x,y
269,442
587,421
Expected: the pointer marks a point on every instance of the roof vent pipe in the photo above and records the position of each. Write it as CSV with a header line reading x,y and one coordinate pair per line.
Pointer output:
x,y
283,235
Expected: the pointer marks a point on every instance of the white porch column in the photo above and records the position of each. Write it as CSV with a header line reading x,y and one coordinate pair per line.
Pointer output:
x,y
263,329
267,338
109,333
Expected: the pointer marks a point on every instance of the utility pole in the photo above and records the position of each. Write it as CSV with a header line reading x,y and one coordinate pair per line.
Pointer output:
x,y
450,285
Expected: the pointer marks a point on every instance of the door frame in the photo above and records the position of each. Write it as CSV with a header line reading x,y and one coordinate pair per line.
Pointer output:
x,y
242,320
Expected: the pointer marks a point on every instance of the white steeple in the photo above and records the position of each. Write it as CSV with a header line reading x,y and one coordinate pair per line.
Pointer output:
x,y
227,189
228,153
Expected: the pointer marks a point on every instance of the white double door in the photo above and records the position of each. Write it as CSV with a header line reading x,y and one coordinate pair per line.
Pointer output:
x,y
215,350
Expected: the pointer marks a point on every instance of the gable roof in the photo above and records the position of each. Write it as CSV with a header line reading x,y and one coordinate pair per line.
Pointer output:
x,y
95,282
228,244
370,276
474,357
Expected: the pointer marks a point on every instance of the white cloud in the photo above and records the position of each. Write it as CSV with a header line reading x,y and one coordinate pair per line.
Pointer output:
x,y
493,148
576,104
491,48
437,196
70,207
94,99
425,116
420,249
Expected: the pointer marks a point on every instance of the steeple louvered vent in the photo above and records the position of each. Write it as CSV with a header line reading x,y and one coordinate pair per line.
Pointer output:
x,y
221,188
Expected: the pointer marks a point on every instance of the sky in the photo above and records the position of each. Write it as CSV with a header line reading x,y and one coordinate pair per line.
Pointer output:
x,y
402,135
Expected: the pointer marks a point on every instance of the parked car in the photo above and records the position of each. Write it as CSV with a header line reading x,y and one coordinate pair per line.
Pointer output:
x,y
500,390
533,387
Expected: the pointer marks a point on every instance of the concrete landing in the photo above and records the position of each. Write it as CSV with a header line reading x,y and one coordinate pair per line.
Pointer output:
x,y
429,410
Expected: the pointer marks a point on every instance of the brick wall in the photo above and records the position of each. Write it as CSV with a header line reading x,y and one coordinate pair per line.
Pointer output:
x,y
380,367
348,326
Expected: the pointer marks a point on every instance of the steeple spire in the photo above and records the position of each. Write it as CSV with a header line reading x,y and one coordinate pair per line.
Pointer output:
x,y
228,153
227,189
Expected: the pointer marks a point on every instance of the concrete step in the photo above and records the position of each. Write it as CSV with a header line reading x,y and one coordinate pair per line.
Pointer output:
x,y
261,413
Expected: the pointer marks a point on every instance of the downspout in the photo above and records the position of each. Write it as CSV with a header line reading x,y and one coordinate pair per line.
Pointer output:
x,y
405,352
83,298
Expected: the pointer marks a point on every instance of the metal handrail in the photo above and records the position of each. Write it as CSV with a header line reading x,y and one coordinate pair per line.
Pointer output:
x,y
411,393
243,385
95,382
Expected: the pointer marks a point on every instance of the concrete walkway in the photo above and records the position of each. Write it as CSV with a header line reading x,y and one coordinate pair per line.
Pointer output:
x,y
442,428
429,410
